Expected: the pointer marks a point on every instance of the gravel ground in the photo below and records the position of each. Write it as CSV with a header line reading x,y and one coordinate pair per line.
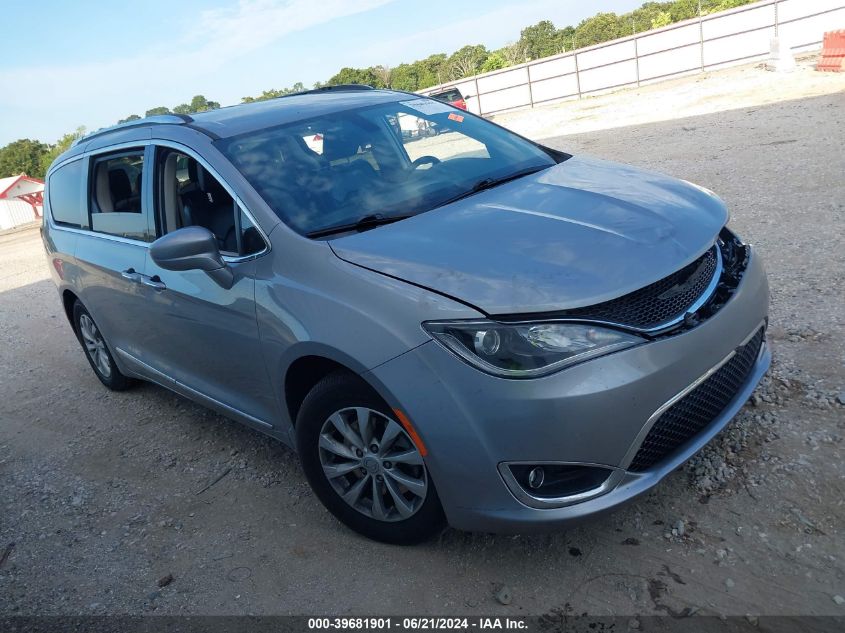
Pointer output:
x,y
104,497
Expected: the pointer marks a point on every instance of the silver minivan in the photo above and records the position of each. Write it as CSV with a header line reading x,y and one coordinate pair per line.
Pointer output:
x,y
460,327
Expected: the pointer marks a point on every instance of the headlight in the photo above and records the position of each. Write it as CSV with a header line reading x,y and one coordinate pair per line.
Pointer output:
x,y
525,350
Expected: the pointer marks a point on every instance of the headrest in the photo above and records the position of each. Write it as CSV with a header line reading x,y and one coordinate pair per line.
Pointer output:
x,y
196,174
340,143
119,184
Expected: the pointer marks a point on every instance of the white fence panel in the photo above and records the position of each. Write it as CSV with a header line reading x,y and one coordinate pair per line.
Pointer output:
x,y
554,88
667,39
503,79
606,54
738,47
607,77
507,99
730,37
670,62
15,213
553,68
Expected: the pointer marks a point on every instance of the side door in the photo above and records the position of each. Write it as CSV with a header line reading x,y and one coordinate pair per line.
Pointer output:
x,y
203,336
112,245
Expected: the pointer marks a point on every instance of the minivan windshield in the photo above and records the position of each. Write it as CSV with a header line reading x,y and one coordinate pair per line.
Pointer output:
x,y
359,168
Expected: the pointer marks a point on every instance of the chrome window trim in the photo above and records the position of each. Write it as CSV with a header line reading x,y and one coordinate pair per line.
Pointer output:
x,y
523,496
654,417
229,259
102,236
202,161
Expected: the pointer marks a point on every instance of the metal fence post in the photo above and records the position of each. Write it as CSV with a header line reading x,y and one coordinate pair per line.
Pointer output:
x,y
530,91
637,60
478,96
701,35
577,75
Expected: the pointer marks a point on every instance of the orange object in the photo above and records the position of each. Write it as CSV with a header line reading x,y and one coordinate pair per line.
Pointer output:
x,y
832,58
456,117
415,438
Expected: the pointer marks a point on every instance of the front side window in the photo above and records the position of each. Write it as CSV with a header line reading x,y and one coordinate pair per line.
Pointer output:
x,y
116,204
393,159
188,194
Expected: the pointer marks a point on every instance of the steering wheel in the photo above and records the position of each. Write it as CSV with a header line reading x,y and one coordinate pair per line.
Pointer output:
x,y
425,160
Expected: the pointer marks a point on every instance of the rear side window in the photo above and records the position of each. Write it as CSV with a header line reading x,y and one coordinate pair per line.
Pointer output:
x,y
115,196
64,193
449,95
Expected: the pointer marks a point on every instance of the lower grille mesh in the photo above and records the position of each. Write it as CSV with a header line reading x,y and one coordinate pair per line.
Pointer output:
x,y
696,410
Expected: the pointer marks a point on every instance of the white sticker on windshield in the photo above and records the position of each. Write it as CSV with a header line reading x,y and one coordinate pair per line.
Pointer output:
x,y
428,106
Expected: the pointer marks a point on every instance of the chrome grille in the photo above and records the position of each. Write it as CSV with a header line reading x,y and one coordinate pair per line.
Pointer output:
x,y
657,303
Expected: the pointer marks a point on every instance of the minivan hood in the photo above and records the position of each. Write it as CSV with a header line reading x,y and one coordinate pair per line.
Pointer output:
x,y
573,235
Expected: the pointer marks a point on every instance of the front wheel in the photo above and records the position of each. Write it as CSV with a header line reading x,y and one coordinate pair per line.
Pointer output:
x,y
363,465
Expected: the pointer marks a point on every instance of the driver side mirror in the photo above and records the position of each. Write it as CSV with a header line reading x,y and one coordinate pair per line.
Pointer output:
x,y
192,248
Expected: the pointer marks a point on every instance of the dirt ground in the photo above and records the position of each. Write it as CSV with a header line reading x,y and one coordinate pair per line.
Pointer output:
x,y
102,494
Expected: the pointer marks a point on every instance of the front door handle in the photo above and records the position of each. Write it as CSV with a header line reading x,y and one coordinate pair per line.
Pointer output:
x,y
153,282
131,275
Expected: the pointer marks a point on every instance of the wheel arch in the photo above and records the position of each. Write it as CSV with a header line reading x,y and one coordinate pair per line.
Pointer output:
x,y
311,362
69,298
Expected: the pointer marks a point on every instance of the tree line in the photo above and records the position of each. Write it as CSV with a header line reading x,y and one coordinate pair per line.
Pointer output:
x,y
536,41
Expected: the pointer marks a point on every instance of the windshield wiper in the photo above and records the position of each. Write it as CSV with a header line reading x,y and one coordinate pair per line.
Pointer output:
x,y
489,183
362,224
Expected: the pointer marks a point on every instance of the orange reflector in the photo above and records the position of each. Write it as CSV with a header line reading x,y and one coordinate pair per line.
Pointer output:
x,y
415,438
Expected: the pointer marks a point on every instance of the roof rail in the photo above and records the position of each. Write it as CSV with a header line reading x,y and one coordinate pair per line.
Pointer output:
x,y
158,119
334,88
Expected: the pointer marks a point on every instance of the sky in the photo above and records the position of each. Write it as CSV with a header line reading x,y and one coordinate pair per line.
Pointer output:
x,y
91,62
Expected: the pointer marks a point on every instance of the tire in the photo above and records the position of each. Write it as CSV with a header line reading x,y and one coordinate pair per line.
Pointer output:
x,y
96,350
409,509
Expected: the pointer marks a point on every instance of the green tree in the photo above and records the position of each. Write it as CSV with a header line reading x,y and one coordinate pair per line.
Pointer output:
x,y
131,117
274,93
433,70
495,61
24,156
602,27
362,76
384,76
514,54
542,40
663,18
406,77
156,111
467,61
200,104
61,146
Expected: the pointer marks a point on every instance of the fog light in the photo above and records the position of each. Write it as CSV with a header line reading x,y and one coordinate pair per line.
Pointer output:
x,y
536,477
554,481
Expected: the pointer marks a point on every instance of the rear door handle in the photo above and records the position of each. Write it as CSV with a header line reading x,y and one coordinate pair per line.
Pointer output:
x,y
131,275
153,282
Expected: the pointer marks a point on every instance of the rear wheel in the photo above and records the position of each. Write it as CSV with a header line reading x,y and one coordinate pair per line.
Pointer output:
x,y
96,350
363,465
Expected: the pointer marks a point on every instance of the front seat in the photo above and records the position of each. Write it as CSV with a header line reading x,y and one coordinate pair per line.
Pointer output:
x,y
206,203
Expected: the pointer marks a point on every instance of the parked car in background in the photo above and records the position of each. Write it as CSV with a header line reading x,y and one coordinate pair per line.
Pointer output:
x,y
468,327
451,96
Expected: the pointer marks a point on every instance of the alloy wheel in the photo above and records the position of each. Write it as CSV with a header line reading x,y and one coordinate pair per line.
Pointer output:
x,y
94,345
372,464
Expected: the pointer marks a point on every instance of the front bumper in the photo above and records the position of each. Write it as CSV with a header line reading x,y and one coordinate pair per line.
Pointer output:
x,y
592,413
